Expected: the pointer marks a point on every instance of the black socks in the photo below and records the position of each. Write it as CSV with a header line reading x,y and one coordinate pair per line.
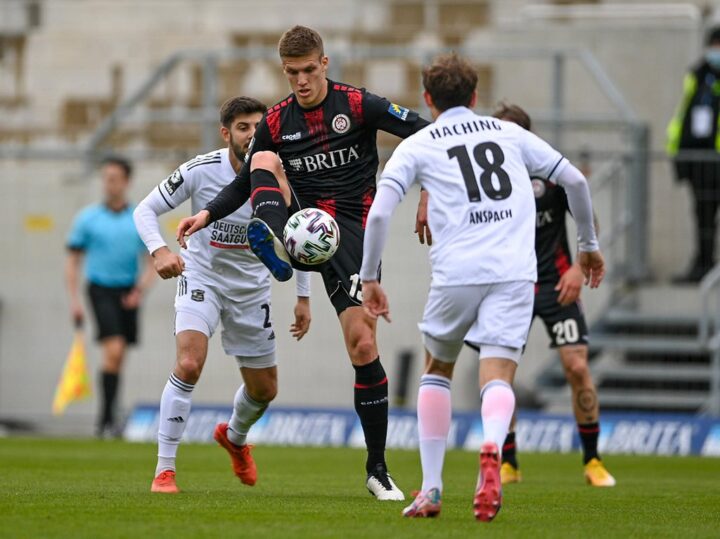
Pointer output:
x,y
371,405
267,200
109,383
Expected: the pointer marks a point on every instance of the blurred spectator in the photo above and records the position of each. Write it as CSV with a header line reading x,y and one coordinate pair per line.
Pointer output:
x,y
694,143
104,235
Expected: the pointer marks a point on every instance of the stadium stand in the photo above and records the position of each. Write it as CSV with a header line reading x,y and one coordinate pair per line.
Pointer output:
x,y
65,68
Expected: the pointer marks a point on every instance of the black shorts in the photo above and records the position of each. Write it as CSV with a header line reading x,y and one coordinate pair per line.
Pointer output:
x,y
111,318
565,325
340,274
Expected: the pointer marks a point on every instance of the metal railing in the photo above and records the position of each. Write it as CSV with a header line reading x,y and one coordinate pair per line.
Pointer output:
x,y
622,121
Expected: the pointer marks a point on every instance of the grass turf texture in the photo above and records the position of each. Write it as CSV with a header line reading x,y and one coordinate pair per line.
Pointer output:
x,y
82,488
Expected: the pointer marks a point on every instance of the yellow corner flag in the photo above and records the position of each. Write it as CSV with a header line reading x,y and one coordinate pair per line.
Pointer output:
x,y
74,382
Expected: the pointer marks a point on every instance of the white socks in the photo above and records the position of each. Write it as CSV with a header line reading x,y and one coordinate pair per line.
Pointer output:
x,y
497,406
174,411
434,413
246,412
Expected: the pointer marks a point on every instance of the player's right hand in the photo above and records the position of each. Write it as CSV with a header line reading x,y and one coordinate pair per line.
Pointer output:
x,y
188,226
592,265
375,301
77,313
422,229
167,264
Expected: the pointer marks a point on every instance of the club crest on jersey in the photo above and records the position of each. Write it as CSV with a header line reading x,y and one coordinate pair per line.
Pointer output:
x,y
173,181
341,124
197,295
539,188
398,111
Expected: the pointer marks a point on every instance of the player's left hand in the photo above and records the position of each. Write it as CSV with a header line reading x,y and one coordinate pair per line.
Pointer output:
x,y
593,267
302,318
132,299
422,228
375,301
570,285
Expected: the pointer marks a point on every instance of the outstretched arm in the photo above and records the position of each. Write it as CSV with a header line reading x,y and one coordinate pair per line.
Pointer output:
x,y
378,222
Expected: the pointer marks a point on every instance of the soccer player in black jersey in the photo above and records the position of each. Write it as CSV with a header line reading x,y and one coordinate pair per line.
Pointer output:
x,y
317,148
557,303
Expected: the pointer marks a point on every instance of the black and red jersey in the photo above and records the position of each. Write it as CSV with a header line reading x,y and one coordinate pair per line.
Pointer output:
x,y
551,243
329,151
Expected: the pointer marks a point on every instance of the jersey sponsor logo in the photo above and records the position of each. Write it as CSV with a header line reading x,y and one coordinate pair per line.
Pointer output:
x,y
341,124
293,136
226,235
173,181
539,188
543,218
197,295
398,111
325,160
489,216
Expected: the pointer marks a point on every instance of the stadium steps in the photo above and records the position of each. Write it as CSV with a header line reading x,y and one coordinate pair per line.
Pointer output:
x,y
645,354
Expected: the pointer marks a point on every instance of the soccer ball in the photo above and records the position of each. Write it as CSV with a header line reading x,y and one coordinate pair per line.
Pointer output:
x,y
311,236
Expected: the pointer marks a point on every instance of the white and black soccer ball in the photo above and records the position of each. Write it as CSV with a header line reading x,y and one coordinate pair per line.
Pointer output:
x,y
311,236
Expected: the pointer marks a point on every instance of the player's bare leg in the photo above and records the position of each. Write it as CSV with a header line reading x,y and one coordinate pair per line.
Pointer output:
x,y
371,398
113,353
250,403
497,407
175,405
587,412
434,413
270,198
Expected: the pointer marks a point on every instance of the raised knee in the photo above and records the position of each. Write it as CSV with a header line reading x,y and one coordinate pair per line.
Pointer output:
x,y
363,350
266,160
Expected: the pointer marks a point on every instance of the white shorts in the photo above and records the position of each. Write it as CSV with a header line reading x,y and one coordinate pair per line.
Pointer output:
x,y
494,317
247,329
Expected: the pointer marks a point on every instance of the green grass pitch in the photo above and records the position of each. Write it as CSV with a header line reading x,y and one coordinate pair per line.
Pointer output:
x,y
83,488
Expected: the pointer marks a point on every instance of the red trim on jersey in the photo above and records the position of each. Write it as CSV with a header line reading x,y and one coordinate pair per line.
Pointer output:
x,y
356,106
315,120
259,189
354,97
537,288
366,203
588,431
368,386
562,262
226,246
273,119
327,205
273,122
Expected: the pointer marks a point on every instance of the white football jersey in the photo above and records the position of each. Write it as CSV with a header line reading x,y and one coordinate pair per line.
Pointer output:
x,y
219,252
481,207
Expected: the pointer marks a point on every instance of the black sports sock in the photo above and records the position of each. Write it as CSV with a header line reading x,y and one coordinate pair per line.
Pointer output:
x,y
371,405
109,382
267,200
589,433
508,450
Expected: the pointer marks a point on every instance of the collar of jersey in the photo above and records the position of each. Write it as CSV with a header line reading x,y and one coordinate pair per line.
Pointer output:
x,y
454,111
